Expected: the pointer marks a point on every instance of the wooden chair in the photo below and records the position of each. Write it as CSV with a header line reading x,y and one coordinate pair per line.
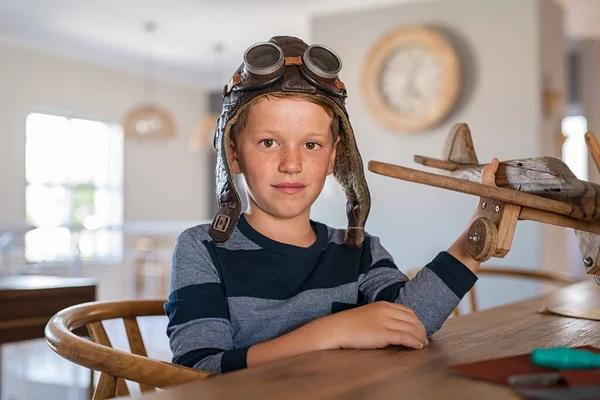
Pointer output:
x,y
99,355
149,266
541,276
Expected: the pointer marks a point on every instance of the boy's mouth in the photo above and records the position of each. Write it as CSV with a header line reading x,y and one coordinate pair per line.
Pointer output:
x,y
289,187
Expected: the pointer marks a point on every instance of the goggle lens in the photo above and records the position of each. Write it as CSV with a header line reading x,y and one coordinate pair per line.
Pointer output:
x,y
263,59
322,61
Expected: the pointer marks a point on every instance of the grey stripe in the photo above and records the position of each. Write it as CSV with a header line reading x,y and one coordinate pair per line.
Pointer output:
x,y
336,235
194,264
378,252
256,320
239,242
200,334
430,299
211,363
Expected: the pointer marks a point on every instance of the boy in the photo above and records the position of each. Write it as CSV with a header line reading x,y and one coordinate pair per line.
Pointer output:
x,y
270,283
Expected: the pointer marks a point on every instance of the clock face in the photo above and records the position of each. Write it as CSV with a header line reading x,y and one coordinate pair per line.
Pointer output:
x,y
411,79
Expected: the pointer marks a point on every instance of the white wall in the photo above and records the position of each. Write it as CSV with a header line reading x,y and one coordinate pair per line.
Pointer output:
x,y
589,52
501,102
163,180
553,64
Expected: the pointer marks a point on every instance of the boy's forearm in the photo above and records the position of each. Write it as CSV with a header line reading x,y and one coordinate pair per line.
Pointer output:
x,y
458,249
315,335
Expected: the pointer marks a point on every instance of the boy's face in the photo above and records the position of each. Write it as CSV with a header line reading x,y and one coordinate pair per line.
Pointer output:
x,y
285,152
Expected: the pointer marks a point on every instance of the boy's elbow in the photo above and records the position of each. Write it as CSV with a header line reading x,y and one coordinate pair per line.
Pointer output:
x,y
210,364
208,360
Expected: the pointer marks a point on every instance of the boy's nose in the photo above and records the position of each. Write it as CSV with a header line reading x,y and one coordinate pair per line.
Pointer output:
x,y
291,161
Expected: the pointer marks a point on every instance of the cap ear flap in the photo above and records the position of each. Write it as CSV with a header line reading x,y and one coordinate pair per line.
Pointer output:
x,y
228,198
349,172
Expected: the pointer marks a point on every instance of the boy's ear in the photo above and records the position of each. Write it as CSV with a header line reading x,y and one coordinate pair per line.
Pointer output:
x,y
332,156
234,160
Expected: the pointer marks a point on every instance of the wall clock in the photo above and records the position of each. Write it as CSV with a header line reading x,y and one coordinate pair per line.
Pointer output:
x,y
411,79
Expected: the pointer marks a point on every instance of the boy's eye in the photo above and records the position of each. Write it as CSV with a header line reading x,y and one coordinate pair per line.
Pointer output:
x,y
267,143
312,145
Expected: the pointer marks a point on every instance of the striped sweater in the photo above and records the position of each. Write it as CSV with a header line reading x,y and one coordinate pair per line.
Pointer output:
x,y
226,298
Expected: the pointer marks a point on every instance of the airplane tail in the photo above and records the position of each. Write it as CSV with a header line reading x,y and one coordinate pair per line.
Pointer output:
x,y
459,146
458,149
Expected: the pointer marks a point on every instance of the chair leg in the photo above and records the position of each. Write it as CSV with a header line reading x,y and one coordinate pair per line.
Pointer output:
x,y
91,386
0,371
107,387
473,299
122,389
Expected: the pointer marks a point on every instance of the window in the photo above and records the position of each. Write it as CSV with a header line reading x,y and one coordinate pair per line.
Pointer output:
x,y
74,189
574,150
575,155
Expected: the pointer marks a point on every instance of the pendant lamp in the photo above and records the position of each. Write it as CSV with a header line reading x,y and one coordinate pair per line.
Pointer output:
x,y
149,120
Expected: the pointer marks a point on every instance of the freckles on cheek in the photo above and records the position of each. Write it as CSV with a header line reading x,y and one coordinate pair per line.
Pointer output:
x,y
317,165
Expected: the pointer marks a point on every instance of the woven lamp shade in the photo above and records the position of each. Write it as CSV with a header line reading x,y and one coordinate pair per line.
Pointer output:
x,y
149,121
202,137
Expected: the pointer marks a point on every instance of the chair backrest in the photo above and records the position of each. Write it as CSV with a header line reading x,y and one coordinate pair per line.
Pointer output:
x,y
541,276
148,264
99,355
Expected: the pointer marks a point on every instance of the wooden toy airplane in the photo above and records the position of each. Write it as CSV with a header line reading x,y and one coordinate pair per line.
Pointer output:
x,y
541,189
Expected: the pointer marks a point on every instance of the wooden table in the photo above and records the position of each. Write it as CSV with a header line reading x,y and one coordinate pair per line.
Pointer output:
x,y
27,302
411,374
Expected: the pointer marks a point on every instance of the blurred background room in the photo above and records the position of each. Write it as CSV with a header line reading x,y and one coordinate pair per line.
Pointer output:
x,y
107,111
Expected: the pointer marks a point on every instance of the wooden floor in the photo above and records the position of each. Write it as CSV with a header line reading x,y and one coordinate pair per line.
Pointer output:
x,y
31,370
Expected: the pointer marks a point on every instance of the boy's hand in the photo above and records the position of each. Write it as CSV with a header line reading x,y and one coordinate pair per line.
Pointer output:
x,y
488,173
458,249
377,325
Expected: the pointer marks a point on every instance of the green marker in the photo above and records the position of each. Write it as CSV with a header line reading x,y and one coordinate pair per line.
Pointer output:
x,y
565,358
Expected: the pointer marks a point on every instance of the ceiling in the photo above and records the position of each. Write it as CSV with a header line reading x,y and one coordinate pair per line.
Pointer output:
x,y
195,41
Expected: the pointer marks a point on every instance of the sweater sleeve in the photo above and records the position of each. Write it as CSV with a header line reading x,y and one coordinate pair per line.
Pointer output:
x,y
432,294
199,327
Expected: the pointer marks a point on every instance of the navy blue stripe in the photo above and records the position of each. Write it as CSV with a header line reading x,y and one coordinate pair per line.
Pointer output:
x,y
390,292
337,306
193,357
455,274
384,263
235,359
295,251
192,302
269,275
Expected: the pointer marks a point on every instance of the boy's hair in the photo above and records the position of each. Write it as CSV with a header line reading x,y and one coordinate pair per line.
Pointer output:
x,y
242,119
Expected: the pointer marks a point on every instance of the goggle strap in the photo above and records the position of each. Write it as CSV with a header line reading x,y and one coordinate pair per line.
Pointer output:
x,y
293,60
237,78
298,61
233,82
